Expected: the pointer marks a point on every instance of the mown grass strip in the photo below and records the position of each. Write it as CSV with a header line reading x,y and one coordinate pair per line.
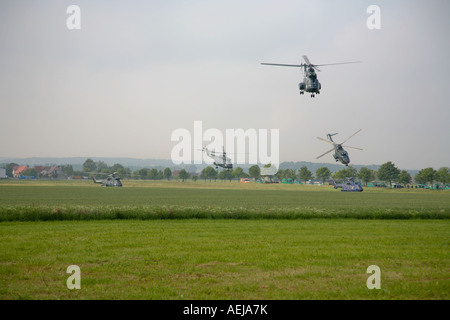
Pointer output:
x,y
55,213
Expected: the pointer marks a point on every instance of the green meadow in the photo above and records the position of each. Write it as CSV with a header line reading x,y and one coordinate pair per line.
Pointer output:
x,y
221,240
82,200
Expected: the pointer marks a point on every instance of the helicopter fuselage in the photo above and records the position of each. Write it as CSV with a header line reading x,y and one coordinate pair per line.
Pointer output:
x,y
219,161
109,182
350,185
341,155
227,166
310,82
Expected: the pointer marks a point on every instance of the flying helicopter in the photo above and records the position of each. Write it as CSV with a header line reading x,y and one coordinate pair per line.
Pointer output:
x,y
110,181
351,185
310,82
220,158
339,153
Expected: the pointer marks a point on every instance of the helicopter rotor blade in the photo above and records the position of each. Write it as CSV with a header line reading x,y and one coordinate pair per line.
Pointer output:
x,y
307,60
351,136
332,64
325,153
283,65
327,141
352,147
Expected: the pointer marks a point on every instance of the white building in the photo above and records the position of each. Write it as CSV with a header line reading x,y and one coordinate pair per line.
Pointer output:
x,y
3,173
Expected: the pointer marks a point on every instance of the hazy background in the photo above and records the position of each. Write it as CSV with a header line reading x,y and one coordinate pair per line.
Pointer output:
x,y
136,71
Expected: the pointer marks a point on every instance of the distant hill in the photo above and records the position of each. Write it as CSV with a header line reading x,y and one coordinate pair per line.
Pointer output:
x,y
135,164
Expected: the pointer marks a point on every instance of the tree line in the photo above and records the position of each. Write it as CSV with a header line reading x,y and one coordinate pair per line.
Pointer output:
x,y
387,172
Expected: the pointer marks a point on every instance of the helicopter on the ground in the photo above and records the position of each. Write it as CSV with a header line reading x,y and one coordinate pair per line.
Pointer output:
x,y
339,153
310,82
110,181
351,185
220,158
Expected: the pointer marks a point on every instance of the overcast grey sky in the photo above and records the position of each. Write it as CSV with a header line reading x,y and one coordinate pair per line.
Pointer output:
x,y
138,70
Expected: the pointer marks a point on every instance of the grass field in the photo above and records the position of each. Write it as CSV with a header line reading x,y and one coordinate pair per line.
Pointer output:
x,y
221,240
62,200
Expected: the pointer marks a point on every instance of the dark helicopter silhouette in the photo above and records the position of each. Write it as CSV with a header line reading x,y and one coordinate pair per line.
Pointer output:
x,y
220,158
310,82
110,181
351,185
339,153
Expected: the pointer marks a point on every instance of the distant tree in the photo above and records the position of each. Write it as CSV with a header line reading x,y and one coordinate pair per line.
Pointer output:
x,y
323,173
238,172
116,167
194,178
203,174
208,173
225,175
427,175
254,172
419,179
388,172
404,177
122,171
443,175
167,173
365,175
183,174
67,169
304,174
102,166
351,172
9,168
280,174
345,173
153,174
222,175
229,175
213,174
142,173
290,174
89,166
106,170
339,175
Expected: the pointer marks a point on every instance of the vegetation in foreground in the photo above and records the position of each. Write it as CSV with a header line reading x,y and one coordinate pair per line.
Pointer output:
x,y
252,241
225,259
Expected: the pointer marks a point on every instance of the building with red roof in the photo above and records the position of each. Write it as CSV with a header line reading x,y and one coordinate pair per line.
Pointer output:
x,y
17,170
